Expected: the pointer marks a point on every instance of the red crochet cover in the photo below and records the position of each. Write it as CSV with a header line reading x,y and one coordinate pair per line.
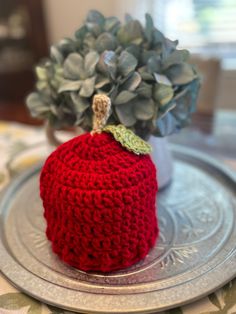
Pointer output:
x,y
99,202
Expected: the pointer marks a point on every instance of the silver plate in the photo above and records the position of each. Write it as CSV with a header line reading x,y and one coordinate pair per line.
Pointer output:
x,y
196,252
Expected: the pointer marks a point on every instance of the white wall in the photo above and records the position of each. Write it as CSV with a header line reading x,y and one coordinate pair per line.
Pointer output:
x,y
63,17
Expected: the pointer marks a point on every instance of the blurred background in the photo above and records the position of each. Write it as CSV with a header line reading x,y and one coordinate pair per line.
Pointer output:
x,y
206,27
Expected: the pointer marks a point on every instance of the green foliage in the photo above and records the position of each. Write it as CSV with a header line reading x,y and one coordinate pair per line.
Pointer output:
x,y
152,87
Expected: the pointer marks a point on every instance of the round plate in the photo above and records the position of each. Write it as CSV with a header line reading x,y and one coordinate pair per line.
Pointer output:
x,y
195,253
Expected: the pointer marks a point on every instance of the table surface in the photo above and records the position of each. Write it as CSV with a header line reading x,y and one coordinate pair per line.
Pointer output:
x,y
16,142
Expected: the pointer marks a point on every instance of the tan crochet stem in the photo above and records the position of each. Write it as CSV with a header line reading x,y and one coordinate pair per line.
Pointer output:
x,y
101,108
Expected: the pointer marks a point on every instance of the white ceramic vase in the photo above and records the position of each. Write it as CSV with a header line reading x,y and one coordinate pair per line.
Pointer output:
x,y
162,158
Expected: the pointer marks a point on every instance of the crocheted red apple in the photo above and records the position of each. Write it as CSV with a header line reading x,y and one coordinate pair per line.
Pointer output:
x,y
99,194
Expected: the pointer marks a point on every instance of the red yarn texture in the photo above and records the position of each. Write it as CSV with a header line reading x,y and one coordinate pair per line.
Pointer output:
x,y
99,202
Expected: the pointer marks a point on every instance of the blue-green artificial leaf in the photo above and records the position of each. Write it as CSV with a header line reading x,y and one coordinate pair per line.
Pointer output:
x,y
149,27
167,125
108,64
181,73
132,82
37,107
124,97
130,32
67,85
163,93
106,41
126,63
125,114
144,109
87,87
79,103
90,62
177,56
162,79
56,55
111,24
73,67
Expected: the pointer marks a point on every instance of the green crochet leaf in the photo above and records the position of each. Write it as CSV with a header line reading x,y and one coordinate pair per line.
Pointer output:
x,y
128,139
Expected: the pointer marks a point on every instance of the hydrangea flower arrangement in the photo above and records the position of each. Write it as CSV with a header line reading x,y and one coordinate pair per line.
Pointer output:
x,y
153,88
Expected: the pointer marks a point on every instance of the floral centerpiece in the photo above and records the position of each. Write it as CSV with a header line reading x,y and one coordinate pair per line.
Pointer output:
x,y
153,88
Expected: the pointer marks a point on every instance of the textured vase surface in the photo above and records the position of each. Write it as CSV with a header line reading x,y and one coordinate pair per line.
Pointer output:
x,y
162,159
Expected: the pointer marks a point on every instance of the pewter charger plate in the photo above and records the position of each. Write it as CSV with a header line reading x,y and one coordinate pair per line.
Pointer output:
x,y
195,253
